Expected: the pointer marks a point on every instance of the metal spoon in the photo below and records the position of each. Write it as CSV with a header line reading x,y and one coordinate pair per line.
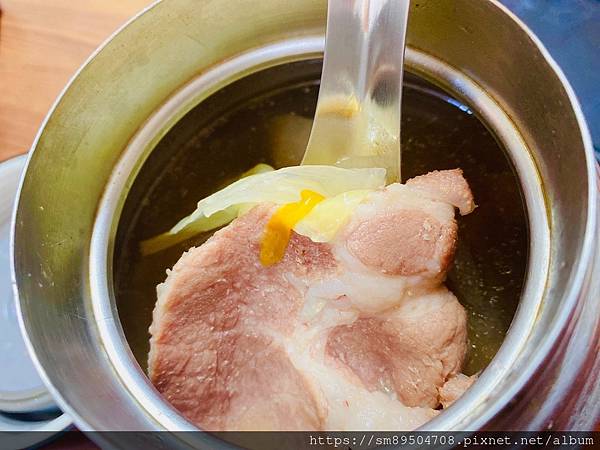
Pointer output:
x,y
357,121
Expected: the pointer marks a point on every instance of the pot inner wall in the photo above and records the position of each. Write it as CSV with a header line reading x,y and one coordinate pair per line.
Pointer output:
x,y
266,117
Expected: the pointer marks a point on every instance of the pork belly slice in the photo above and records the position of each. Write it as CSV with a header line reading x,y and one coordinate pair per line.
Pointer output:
x,y
358,333
454,387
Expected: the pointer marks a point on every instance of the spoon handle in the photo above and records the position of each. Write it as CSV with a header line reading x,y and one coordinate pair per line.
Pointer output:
x,y
357,121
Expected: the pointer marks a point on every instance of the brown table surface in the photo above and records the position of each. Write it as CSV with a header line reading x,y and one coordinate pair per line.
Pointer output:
x,y
42,44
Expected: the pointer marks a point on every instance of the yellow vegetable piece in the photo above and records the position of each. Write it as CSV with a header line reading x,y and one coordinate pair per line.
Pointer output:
x,y
324,221
262,184
340,105
192,228
279,228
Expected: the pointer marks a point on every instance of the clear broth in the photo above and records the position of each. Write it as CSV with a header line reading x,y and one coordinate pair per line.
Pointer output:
x,y
234,129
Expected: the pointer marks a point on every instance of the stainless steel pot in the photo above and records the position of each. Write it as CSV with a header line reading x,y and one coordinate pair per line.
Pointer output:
x,y
178,52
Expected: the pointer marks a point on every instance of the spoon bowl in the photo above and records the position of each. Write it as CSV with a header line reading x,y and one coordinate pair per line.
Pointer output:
x,y
357,120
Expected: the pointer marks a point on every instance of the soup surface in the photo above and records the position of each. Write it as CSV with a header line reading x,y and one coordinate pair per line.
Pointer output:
x,y
266,118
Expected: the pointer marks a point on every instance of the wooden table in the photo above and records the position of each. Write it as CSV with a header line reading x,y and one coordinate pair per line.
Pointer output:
x,y
42,44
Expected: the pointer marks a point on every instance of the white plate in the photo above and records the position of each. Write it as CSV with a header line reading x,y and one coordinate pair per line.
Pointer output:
x,y
21,389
